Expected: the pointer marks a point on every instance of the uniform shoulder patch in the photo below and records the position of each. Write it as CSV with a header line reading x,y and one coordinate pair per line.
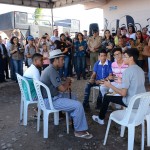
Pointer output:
x,y
58,79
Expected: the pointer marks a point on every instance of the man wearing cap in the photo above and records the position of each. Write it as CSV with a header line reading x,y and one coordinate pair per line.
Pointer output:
x,y
30,50
51,78
94,44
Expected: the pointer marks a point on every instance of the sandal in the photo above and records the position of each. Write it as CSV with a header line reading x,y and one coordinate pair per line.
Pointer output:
x,y
87,135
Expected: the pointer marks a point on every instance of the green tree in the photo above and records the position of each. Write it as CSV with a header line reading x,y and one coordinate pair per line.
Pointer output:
x,y
37,15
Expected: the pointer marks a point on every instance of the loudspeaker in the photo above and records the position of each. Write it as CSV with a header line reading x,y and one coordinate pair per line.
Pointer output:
x,y
93,26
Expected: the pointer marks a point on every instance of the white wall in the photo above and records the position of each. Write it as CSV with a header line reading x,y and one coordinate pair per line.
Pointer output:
x,y
139,10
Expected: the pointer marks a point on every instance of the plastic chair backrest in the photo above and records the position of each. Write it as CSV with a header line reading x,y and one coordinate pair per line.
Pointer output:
x,y
144,101
20,81
38,85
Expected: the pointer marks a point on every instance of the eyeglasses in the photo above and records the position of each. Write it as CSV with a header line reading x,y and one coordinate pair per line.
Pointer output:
x,y
125,57
116,55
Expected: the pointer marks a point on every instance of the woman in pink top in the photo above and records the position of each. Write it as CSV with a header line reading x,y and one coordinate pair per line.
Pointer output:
x,y
45,54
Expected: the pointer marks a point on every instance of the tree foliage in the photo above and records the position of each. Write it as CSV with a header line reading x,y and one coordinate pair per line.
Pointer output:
x,y
37,15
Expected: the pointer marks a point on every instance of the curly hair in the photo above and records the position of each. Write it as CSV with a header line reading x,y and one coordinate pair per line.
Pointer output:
x,y
11,40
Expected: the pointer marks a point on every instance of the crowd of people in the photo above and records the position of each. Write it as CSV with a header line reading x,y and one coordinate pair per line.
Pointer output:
x,y
117,63
81,52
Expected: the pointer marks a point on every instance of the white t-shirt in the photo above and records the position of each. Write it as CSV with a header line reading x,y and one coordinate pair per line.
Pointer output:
x,y
133,36
32,72
54,38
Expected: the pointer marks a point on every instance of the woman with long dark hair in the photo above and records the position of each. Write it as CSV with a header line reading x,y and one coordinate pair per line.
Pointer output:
x,y
17,55
139,43
108,44
131,32
80,52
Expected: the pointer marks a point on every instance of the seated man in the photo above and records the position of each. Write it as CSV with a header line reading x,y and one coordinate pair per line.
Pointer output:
x,y
133,81
33,72
51,78
102,70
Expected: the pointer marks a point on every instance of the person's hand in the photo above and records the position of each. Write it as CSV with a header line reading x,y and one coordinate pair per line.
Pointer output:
x,y
115,78
68,80
101,82
92,49
107,83
3,56
15,50
81,48
109,47
119,79
97,82
111,77
91,81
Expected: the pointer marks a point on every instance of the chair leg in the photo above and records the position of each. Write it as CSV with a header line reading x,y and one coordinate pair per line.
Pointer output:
x,y
21,110
122,131
142,137
67,122
56,118
38,119
25,114
45,124
93,95
148,129
131,132
106,135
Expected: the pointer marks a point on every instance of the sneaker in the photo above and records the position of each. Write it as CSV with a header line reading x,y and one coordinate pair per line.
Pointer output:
x,y
96,119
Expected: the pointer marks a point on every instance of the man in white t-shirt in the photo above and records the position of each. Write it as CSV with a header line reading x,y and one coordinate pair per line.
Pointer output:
x,y
33,72
54,38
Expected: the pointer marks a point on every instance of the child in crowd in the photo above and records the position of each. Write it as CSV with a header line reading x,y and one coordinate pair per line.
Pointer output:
x,y
45,53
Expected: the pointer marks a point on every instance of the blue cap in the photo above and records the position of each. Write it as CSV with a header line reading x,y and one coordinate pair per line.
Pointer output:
x,y
30,38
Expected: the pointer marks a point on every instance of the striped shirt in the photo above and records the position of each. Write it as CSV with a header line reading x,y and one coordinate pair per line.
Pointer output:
x,y
118,70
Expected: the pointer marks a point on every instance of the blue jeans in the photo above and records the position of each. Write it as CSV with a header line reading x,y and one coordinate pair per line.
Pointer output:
x,y
81,66
12,70
87,94
65,68
75,63
18,67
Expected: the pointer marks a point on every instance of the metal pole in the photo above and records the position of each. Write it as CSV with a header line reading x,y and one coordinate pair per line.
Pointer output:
x,y
52,18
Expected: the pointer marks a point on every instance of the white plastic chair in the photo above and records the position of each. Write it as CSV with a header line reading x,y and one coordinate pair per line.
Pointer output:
x,y
94,88
24,102
147,118
46,112
128,118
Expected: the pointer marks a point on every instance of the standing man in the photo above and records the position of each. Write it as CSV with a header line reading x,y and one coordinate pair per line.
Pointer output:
x,y
30,50
51,78
4,59
94,44
133,81
54,38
